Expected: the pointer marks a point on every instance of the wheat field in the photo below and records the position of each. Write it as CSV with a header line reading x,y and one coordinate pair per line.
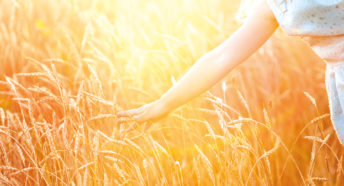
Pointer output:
x,y
68,66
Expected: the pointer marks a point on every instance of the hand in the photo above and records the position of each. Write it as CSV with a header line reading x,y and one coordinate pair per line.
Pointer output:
x,y
149,112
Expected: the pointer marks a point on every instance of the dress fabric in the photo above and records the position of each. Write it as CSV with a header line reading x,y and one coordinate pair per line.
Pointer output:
x,y
320,23
335,89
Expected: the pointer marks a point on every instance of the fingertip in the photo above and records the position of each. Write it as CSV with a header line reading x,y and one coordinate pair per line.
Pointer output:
x,y
123,113
122,120
127,113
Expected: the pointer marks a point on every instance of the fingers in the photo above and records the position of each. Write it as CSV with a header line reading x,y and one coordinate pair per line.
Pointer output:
x,y
131,112
124,119
127,113
131,115
141,117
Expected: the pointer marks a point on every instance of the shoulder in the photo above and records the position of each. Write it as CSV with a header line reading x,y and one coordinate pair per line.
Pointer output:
x,y
262,13
264,8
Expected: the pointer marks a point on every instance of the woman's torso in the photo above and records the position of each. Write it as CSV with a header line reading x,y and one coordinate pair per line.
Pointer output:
x,y
319,22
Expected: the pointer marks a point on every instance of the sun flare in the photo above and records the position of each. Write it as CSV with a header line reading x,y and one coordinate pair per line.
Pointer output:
x,y
68,66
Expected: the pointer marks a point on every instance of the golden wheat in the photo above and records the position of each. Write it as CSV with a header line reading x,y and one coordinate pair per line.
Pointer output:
x,y
67,67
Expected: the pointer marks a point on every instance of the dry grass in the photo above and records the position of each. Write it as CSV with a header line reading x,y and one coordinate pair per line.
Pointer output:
x,y
68,66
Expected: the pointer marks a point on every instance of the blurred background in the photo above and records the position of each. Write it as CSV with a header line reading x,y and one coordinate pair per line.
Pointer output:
x,y
68,66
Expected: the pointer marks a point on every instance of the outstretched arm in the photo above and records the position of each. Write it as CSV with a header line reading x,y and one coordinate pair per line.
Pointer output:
x,y
213,66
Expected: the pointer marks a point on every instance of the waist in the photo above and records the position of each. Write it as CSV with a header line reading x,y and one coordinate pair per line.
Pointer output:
x,y
334,64
329,48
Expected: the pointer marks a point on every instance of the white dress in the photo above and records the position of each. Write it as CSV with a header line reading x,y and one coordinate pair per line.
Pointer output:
x,y
321,24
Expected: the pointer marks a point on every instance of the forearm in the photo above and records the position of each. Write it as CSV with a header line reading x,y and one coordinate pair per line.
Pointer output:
x,y
203,75
213,66
208,70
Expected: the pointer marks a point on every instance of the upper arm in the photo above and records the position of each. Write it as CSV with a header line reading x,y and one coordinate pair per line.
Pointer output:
x,y
257,29
262,15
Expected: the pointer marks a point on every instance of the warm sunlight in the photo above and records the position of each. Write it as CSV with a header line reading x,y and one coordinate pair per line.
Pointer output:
x,y
67,67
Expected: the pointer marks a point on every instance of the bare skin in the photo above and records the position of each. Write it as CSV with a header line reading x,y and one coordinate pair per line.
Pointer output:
x,y
212,67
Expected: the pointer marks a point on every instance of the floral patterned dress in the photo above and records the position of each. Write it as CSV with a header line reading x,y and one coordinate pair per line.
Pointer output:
x,y
321,24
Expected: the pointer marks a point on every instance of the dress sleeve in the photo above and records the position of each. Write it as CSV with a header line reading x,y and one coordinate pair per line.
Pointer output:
x,y
277,7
